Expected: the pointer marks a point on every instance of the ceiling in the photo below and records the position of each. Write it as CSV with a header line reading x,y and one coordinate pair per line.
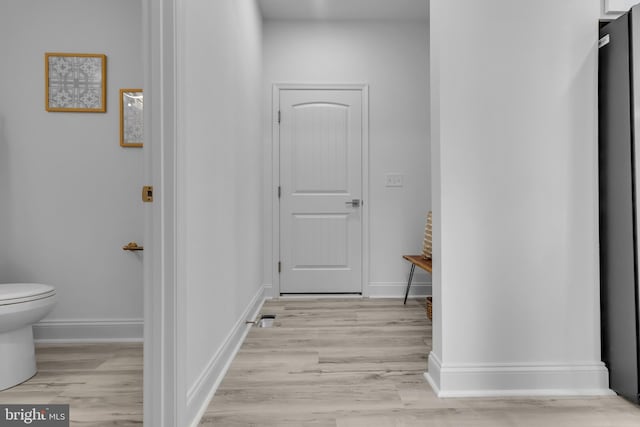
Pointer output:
x,y
344,9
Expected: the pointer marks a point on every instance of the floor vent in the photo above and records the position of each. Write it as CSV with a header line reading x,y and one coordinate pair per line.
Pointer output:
x,y
265,321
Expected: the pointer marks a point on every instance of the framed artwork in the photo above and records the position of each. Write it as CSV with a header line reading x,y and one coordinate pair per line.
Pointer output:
x,y
131,118
75,82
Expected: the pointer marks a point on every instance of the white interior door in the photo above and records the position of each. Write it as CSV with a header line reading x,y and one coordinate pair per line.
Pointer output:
x,y
321,142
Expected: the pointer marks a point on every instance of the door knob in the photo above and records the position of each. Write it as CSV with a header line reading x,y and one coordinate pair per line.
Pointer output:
x,y
354,203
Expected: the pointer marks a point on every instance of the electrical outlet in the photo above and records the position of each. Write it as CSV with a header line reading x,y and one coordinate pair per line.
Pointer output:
x,y
394,180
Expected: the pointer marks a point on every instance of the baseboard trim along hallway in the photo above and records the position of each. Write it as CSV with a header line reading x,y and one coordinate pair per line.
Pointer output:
x,y
375,290
89,331
398,289
201,393
489,380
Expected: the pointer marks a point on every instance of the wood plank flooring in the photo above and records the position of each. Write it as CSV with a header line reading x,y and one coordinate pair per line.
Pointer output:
x,y
338,363
360,363
102,383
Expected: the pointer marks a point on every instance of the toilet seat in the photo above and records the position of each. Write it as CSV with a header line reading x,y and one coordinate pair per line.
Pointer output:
x,y
15,293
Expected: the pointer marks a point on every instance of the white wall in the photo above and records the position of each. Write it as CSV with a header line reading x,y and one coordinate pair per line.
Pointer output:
x,y
392,57
611,9
70,193
515,201
219,173
4,191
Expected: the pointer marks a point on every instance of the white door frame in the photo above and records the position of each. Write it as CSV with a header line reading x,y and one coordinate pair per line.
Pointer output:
x,y
164,350
275,158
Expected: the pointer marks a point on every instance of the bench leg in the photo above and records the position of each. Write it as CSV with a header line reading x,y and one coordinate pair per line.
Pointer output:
x,y
413,267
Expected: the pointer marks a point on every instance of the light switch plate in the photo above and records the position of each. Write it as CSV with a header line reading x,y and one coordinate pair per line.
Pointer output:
x,y
394,180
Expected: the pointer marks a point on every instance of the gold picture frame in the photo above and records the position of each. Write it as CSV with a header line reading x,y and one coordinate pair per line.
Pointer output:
x,y
131,118
75,82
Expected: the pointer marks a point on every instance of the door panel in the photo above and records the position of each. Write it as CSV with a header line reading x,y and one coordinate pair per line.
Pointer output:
x,y
320,172
617,247
319,241
320,151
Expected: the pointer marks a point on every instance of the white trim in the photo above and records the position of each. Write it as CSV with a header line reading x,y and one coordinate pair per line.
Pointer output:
x,y
618,7
200,394
398,289
164,356
268,291
275,182
433,372
308,297
517,379
275,161
365,191
88,331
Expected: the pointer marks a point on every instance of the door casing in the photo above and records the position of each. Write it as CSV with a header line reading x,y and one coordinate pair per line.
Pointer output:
x,y
275,157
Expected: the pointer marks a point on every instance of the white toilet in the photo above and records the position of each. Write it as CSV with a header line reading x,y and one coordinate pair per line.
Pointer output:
x,y
21,306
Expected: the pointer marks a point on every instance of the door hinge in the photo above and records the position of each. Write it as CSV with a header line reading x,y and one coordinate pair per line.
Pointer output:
x,y
279,267
279,191
147,193
279,116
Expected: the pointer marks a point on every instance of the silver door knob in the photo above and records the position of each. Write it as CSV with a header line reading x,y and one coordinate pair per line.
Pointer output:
x,y
354,203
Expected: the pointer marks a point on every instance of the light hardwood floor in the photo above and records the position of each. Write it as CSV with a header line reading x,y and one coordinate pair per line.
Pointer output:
x,y
360,363
102,383
342,363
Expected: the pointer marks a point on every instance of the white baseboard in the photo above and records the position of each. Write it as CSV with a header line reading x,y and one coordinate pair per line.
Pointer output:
x,y
376,290
397,289
306,297
489,380
268,291
202,391
89,330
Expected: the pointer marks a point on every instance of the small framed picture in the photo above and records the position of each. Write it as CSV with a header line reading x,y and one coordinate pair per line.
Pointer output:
x,y
131,118
75,82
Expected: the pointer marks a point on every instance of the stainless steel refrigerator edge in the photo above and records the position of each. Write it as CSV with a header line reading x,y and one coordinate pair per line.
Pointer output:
x,y
618,150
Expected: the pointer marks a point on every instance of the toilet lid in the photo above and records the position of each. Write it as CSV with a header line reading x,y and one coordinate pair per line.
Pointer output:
x,y
12,293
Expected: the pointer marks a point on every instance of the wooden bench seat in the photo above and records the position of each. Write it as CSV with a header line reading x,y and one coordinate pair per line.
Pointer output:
x,y
423,263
